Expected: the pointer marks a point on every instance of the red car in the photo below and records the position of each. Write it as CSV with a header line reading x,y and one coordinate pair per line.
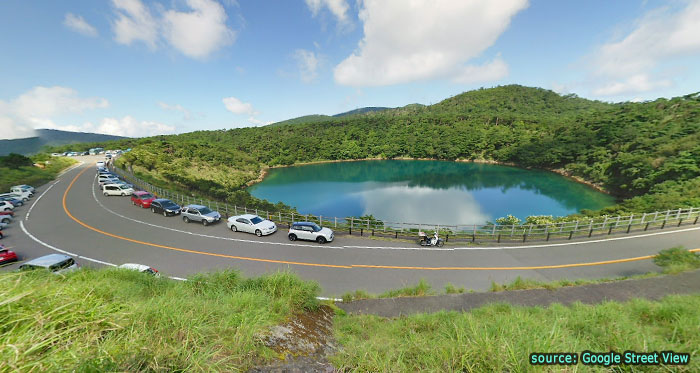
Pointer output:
x,y
6,255
11,213
142,198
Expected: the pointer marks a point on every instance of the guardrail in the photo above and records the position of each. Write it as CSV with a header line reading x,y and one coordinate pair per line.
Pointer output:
x,y
585,228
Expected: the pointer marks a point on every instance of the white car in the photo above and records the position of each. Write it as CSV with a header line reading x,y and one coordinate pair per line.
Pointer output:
x,y
6,206
251,224
99,164
24,197
6,219
117,190
140,268
25,187
21,191
309,231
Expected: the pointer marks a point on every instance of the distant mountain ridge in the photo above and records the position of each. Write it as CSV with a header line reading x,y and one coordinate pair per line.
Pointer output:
x,y
48,137
315,118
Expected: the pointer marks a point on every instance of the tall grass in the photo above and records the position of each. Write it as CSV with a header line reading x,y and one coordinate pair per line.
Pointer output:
x,y
676,260
499,337
117,320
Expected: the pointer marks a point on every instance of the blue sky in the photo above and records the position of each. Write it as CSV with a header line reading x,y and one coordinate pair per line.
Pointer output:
x,y
138,68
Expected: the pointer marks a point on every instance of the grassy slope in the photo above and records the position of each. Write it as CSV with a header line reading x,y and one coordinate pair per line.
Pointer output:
x,y
500,337
31,175
112,320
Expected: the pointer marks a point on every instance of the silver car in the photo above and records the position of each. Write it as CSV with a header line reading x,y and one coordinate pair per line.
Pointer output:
x,y
199,213
56,263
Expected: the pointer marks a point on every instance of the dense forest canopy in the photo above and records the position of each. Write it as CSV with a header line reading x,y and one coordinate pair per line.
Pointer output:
x,y
647,154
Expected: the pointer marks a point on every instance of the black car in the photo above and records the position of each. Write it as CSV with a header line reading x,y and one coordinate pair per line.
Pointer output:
x,y
165,207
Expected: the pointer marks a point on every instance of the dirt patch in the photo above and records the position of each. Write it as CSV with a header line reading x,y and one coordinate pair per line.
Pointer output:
x,y
303,343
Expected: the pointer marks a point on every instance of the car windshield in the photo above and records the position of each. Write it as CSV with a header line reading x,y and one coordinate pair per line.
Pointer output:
x,y
169,204
205,210
123,187
146,196
256,220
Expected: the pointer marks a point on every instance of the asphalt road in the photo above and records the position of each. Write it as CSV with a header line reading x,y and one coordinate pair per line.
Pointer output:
x,y
112,230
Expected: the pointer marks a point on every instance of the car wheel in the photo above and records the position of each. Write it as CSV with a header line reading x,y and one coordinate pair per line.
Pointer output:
x,y
25,199
123,194
233,228
106,194
133,203
7,209
5,221
205,222
292,237
165,214
153,210
186,219
321,239
258,233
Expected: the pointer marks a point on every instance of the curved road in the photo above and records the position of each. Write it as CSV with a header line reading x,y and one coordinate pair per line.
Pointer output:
x,y
72,215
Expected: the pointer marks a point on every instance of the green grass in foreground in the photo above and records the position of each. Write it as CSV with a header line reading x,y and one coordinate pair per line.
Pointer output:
x,y
112,320
32,175
500,337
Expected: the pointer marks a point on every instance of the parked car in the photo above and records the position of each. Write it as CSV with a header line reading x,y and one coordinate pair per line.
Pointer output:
x,y
116,190
165,207
5,219
100,164
22,191
251,224
142,198
13,200
25,187
56,263
7,256
3,225
199,213
1,234
6,206
8,212
102,181
309,231
141,268
22,196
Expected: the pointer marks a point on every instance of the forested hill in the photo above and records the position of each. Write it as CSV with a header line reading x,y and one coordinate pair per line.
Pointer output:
x,y
647,153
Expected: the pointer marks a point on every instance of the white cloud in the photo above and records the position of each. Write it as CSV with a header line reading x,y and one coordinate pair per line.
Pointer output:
x,y
237,106
186,114
200,32
35,108
339,8
134,23
78,24
258,122
487,72
414,40
633,84
628,65
130,127
196,33
308,64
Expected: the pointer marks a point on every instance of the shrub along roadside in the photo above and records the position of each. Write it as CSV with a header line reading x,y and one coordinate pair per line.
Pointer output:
x,y
31,175
126,321
500,337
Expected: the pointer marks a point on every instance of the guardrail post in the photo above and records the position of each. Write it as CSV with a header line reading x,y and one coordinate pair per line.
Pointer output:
x,y
696,220
396,234
680,221
473,237
548,233
663,224
499,238
447,237
350,231
372,232
571,234
590,232
610,229
629,227
646,227
335,222
361,231
524,237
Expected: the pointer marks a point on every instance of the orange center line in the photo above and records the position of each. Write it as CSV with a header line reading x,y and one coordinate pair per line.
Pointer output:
x,y
554,266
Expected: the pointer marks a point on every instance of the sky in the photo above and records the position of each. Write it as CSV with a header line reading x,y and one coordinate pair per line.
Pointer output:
x,y
140,68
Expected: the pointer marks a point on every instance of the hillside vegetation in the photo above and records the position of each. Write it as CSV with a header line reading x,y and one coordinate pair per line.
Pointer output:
x,y
647,154
16,169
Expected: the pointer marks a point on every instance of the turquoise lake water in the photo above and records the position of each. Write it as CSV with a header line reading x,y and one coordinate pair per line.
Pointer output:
x,y
432,192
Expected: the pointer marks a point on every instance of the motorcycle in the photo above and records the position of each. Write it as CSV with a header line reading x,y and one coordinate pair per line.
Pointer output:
x,y
424,240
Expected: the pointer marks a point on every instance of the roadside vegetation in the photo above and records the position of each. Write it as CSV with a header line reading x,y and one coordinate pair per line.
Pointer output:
x,y
647,154
17,169
120,320
500,337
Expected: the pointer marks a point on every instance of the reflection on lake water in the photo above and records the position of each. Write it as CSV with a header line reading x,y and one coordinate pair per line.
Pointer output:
x,y
433,192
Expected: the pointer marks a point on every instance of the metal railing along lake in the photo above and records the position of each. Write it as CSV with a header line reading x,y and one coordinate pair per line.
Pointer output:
x,y
583,228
